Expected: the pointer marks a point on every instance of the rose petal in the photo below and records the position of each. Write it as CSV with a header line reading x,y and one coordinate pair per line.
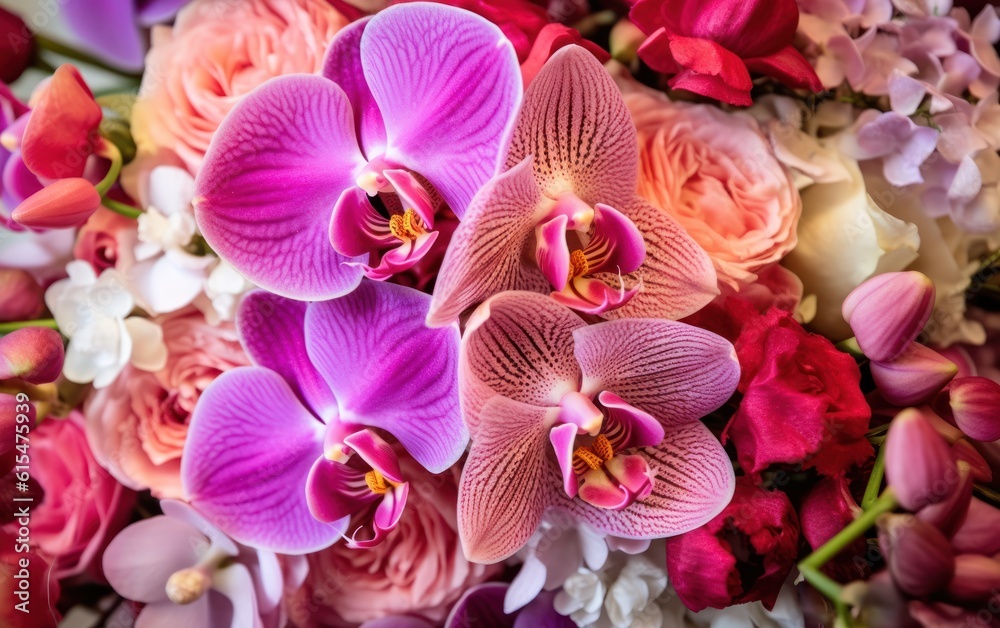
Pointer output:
x,y
271,177
388,371
249,450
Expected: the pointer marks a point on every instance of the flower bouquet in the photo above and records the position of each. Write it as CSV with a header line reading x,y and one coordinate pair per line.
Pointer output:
x,y
656,313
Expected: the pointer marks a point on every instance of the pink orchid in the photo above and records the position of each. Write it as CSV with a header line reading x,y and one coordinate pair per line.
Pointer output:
x,y
600,422
564,218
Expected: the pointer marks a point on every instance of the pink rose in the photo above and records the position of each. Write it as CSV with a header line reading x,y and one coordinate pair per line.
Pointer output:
x,y
717,175
418,570
138,424
104,238
81,506
216,52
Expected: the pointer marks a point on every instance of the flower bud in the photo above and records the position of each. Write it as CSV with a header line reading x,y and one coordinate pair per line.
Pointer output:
x,y
914,376
972,404
976,579
16,46
963,451
948,515
920,557
978,534
21,298
34,354
918,462
64,203
888,311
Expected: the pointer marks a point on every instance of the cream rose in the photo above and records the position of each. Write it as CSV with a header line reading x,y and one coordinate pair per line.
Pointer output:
x,y
716,173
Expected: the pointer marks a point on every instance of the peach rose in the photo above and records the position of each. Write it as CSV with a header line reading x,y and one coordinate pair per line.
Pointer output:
x,y
419,570
80,508
715,172
216,52
137,426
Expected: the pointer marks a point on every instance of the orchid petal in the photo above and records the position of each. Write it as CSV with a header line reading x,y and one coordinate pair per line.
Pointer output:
x,y
563,440
507,481
356,227
677,275
576,125
342,65
211,609
618,484
401,258
485,256
676,372
272,332
481,606
412,194
628,427
617,245
518,345
388,371
693,480
594,296
248,453
236,583
448,84
275,169
385,519
335,491
131,552
551,252
376,453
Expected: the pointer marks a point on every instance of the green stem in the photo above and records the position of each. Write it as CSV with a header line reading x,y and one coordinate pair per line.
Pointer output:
x,y
45,43
121,208
109,151
6,328
875,480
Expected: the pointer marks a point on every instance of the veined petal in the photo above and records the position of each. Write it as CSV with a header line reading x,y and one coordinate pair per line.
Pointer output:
x,y
448,85
551,251
388,371
485,256
693,480
676,372
617,245
626,426
594,296
617,485
677,275
275,169
412,194
335,491
272,332
249,450
376,453
342,65
563,441
384,519
575,124
356,227
401,258
518,345
508,480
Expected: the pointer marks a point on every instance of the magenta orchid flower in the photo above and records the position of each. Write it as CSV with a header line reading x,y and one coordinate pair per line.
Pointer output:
x,y
311,178
565,219
600,421
287,455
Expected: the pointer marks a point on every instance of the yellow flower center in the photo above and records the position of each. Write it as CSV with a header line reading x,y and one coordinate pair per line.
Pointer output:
x,y
599,452
578,264
376,482
406,226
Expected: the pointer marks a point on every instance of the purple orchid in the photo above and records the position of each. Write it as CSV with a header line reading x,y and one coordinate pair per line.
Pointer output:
x,y
565,219
16,181
285,456
188,573
114,29
599,421
482,605
310,178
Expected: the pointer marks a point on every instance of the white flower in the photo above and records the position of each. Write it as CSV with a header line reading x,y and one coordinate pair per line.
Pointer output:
x,y
91,311
582,597
631,599
222,292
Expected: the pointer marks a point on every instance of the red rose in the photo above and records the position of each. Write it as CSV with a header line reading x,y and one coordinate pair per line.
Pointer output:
x,y
802,401
742,555
826,510
712,46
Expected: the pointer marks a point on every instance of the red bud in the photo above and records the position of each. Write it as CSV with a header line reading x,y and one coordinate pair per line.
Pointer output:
x,y
913,377
918,462
21,298
64,203
16,45
34,354
920,557
948,515
888,311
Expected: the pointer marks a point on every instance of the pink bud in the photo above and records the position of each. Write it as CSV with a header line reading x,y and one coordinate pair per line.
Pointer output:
x,y
976,579
948,515
973,404
979,533
918,462
963,451
64,203
920,557
34,354
21,298
913,377
888,311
